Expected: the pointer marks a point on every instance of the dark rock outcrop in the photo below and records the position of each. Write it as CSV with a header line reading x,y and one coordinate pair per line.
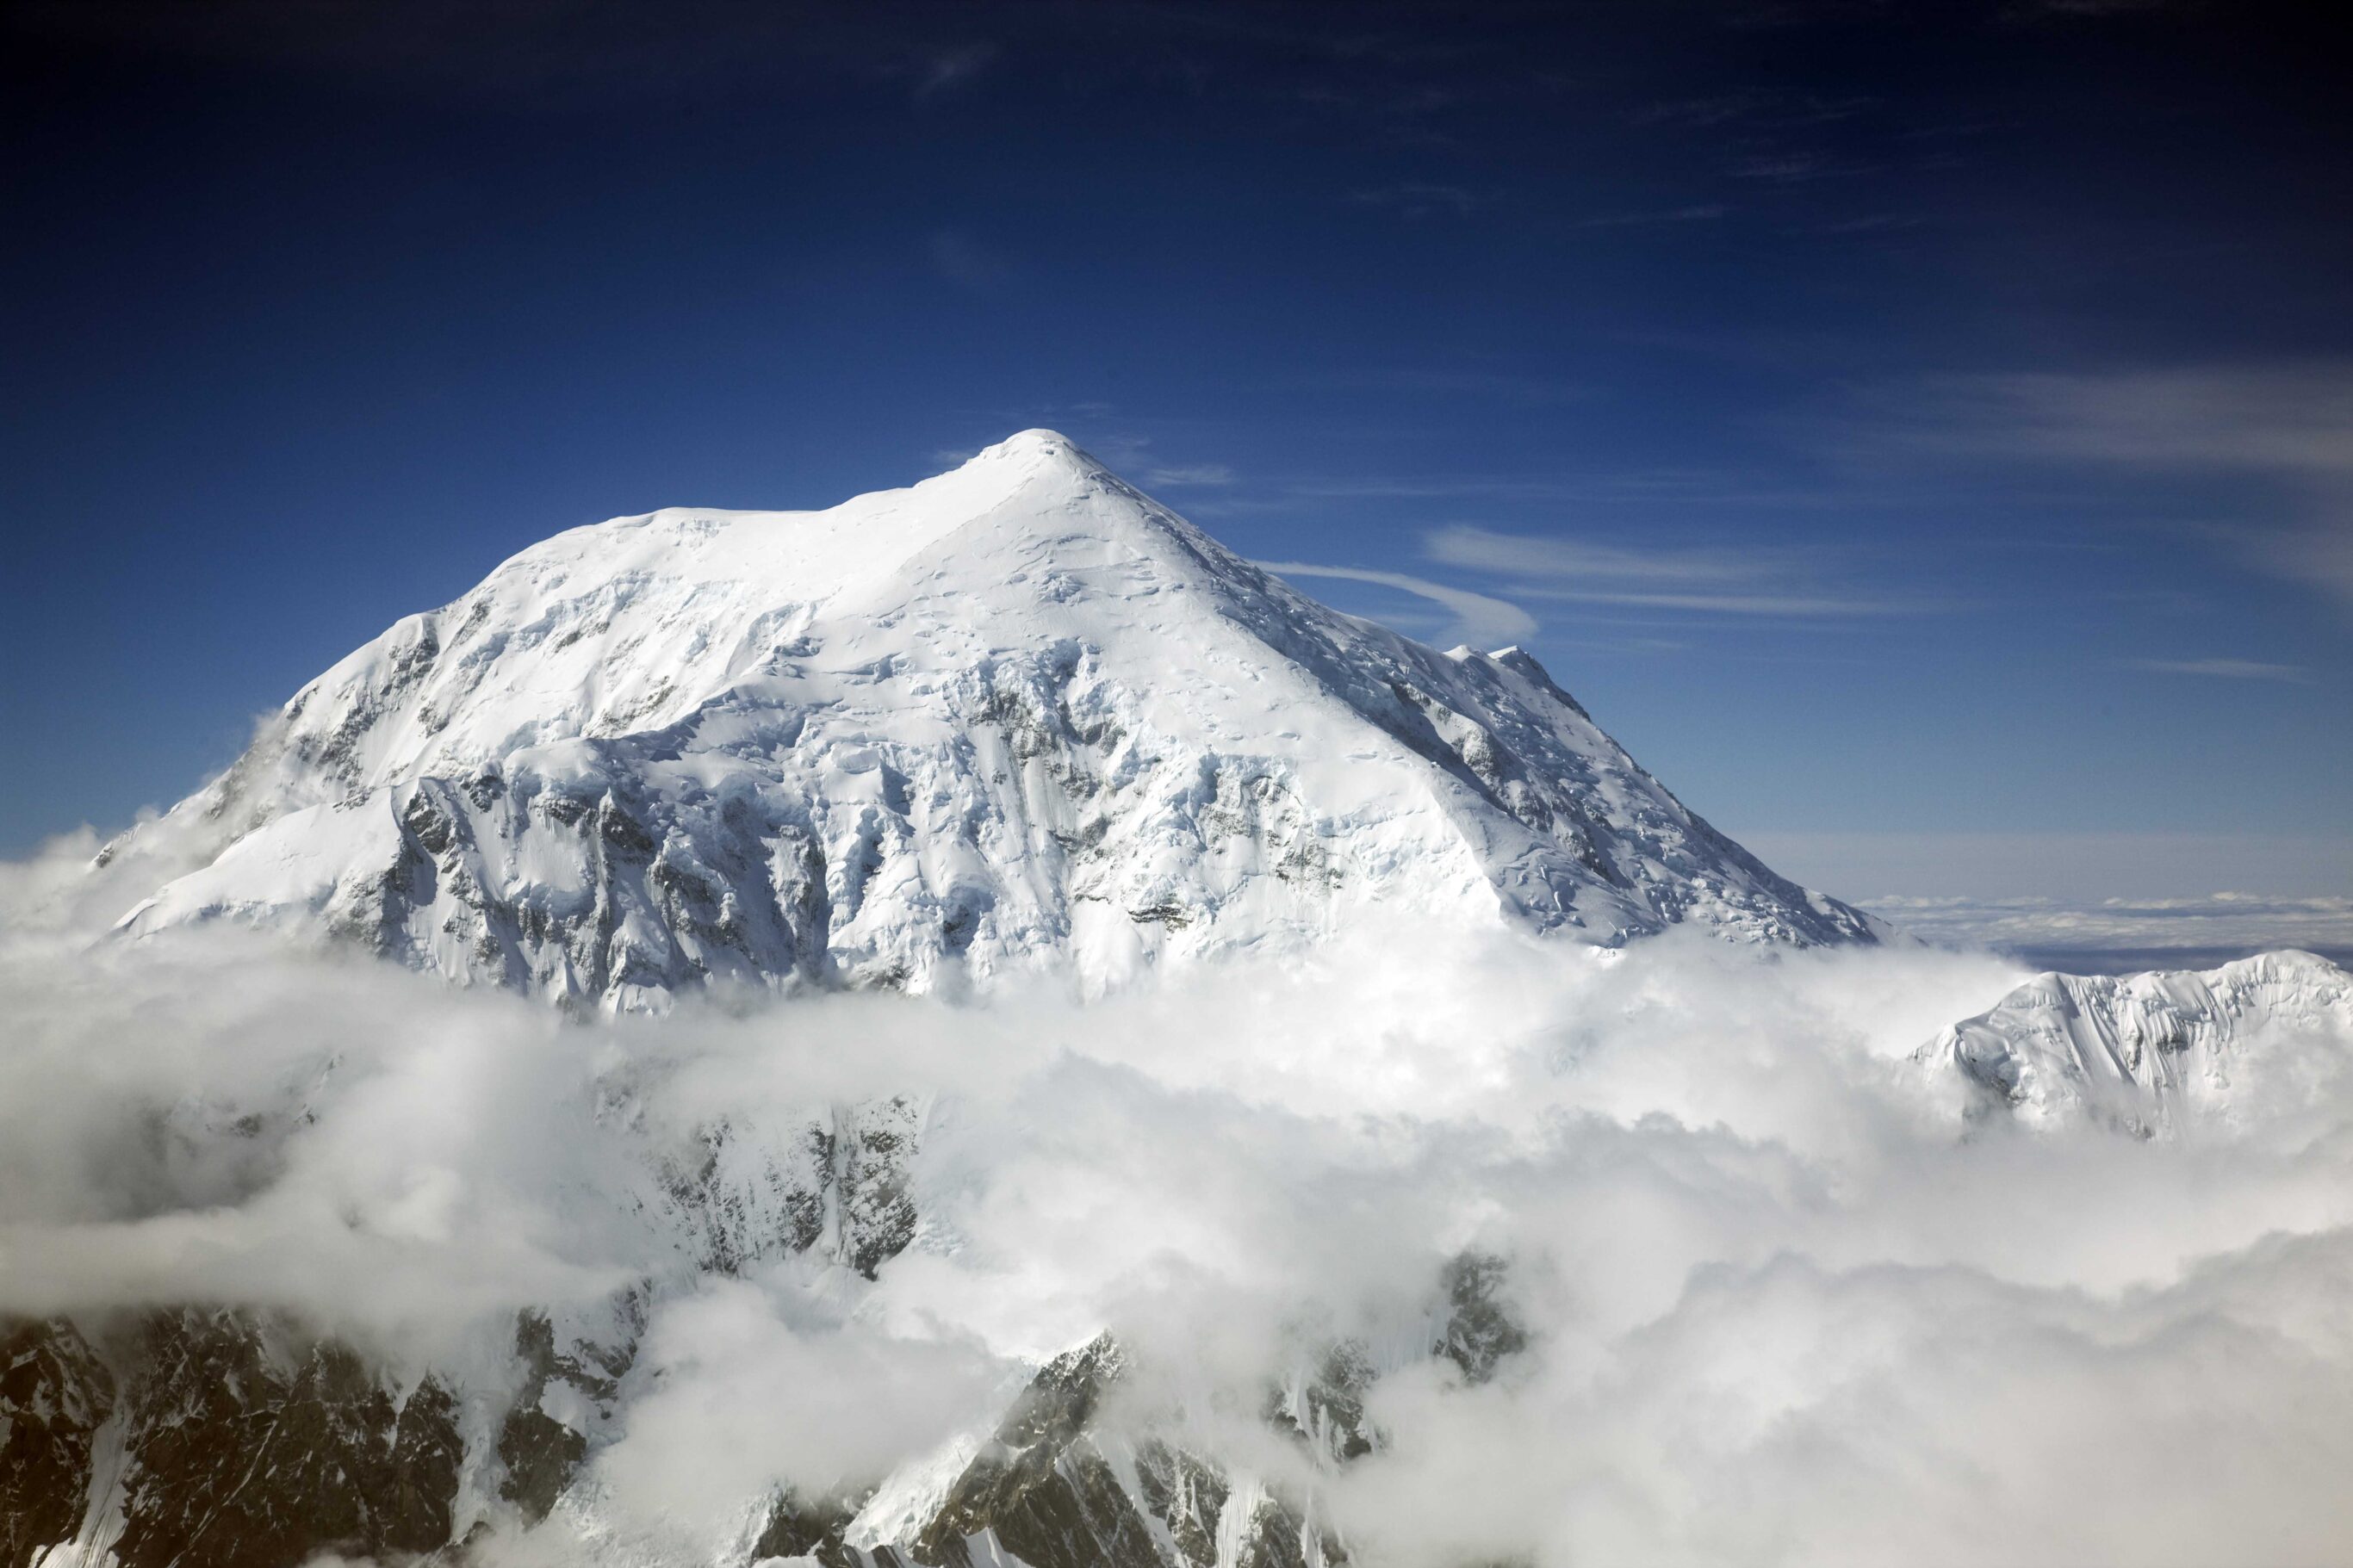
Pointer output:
x,y
55,1394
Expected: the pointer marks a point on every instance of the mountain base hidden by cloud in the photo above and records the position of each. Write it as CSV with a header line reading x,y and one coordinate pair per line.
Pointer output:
x,y
1040,1045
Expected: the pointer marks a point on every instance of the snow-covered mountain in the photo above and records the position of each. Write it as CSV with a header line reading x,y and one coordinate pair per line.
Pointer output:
x,y
1015,717
2150,1052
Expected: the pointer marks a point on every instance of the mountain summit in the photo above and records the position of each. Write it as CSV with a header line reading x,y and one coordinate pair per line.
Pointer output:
x,y
1017,717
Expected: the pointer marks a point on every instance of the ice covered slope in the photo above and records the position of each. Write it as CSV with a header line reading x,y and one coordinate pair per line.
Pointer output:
x,y
1016,716
2151,1052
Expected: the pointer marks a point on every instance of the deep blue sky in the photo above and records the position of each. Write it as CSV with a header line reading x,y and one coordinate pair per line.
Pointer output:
x,y
1887,425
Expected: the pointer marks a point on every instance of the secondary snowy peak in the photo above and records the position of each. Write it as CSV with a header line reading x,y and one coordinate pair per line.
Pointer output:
x,y
2151,1053
1015,717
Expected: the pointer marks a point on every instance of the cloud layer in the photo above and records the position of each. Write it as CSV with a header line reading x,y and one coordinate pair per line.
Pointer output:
x,y
1780,1307
2139,932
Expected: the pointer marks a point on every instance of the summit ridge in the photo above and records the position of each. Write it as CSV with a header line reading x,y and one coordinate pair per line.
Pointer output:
x,y
1014,718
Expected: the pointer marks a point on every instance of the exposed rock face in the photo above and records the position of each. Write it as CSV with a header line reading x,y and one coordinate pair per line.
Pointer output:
x,y
245,1449
538,1453
55,1397
222,1438
1478,1332
1055,1492
1324,1404
229,1436
1042,1486
1064,1482
2143,1053
232,1438
808,1528
1016,718
840,1188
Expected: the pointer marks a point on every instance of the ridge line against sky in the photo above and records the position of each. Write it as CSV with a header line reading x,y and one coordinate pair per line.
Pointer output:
x,y
1898,426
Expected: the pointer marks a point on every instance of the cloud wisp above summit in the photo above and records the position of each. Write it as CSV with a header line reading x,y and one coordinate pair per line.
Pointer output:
x,y
1703,579
1481,620
2288,424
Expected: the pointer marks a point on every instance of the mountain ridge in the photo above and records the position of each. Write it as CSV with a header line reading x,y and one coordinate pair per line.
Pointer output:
x,y
1016,716
2150,1054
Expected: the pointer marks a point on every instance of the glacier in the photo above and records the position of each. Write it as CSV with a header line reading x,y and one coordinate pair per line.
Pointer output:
x,y
2152,1054
1018,718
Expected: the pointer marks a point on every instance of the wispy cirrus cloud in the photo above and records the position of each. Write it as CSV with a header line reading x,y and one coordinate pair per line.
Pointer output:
x,y
1870,223
1182,476
1705,580
951,68
1462,544
1796,168
2288,423
2221,668
1758,107
2319,553
1448,380
2288,419
1808,604
1701,111
1130,453
1382,489
1480,619
2094,7
1696,213
967,262
1416,198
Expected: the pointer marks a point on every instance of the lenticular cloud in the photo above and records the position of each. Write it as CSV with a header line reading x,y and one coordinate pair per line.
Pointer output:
x,y
1504,1252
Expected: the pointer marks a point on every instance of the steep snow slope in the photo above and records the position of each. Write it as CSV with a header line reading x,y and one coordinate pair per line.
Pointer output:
x,y
1015,716
2150,1052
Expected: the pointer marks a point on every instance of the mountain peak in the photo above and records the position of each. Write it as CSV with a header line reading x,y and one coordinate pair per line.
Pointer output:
x,y
1016,717
1034,449
1037,440
2147,1053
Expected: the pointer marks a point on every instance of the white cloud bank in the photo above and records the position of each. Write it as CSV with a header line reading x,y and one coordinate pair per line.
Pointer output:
x,y
1780,1308
2139,931
1481,620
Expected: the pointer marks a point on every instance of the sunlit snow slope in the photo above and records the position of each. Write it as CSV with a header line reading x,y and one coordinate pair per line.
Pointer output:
x,y
2151,1053
1016,716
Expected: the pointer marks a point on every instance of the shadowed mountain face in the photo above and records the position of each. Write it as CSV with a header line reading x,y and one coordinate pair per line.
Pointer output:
x,y
233,1437
1018,718
199,1438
